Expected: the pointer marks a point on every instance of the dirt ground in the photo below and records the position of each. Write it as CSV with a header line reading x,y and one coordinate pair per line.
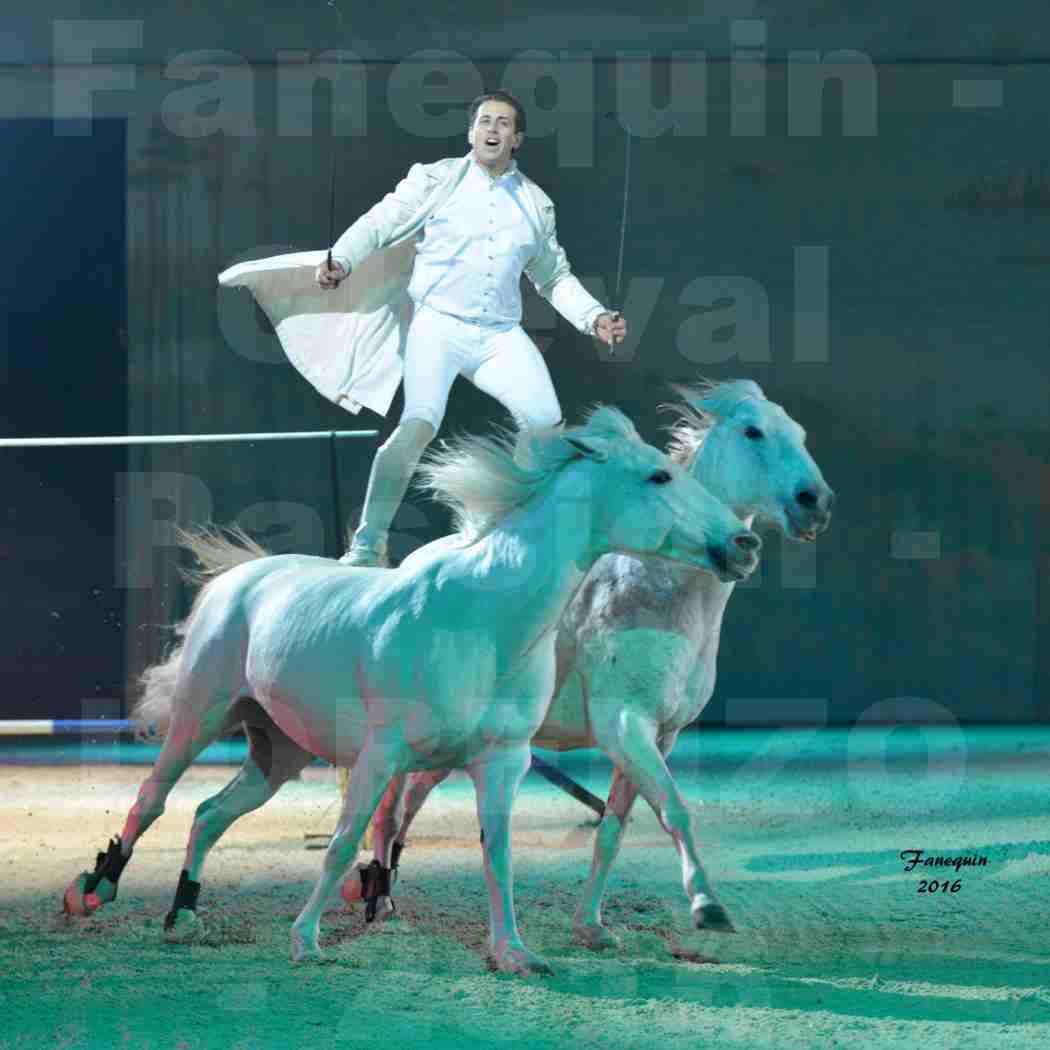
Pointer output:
x,y
802,833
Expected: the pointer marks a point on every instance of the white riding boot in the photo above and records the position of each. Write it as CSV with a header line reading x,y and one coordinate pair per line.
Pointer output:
x,y
392,469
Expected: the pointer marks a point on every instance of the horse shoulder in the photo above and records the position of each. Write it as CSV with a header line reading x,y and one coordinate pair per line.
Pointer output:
x,y
523,690
621,592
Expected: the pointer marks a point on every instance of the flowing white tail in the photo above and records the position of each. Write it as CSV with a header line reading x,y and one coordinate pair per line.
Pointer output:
x,y
216,551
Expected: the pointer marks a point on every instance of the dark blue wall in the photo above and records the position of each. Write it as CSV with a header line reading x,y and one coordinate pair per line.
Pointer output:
x,y
927,409
62,372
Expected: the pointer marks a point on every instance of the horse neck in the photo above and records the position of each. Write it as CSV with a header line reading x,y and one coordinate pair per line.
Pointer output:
x,y
699,601
701,598
545,549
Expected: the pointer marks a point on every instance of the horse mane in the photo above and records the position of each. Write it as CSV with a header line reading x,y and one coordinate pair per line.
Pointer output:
x,y
481,479
699,406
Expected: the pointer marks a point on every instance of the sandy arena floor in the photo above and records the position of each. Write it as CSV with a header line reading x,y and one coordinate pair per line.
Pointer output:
x,y
802,832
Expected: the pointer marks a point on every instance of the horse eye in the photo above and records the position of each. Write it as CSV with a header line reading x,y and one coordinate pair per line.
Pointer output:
x,y
753,433
661,477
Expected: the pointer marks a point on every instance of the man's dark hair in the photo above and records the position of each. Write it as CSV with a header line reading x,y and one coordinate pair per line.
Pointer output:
x,y
499,96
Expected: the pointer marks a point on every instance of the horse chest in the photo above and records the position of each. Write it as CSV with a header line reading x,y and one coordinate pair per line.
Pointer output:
x,y
699,687
642,669
703,629
684,685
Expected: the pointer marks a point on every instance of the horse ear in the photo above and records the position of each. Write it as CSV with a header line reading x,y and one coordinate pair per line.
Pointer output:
x,y
592,448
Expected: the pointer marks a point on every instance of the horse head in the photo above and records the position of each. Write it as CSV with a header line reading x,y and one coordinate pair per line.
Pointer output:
x,y
752,455
645,503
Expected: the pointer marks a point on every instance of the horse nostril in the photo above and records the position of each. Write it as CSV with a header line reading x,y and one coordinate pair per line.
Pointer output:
x,y
747,541
718,557
807,497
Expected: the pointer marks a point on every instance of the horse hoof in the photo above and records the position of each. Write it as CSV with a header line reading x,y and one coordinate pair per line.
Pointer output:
x,y
182,927
305,950
595,936
384,909
350,891
76,902
519,961
709,915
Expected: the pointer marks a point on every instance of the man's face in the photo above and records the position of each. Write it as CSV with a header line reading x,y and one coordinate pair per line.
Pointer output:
x,y
493,134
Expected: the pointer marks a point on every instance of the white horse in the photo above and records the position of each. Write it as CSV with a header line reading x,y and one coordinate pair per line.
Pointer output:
x,y
448,662
638,644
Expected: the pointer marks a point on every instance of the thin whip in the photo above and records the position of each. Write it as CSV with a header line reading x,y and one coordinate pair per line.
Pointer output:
x,y
331,209
331,191
623,221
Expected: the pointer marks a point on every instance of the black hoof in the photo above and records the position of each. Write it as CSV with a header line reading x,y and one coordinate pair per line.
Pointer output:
x,y
713,917
375,884
182,927
186,894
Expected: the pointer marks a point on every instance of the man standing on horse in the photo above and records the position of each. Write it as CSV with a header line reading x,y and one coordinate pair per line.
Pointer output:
x,y
476,223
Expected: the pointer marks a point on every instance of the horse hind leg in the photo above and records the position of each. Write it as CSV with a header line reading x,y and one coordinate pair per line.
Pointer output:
x,y
193,727
273,759
401,802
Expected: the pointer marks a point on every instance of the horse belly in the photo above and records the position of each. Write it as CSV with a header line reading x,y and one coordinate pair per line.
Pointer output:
x,y
311,689
452,735
442,693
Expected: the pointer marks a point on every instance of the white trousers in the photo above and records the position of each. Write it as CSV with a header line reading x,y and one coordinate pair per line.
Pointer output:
x,y
502,362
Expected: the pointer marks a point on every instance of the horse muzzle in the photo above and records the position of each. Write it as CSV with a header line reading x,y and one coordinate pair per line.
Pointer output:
x,y
737,559
809,513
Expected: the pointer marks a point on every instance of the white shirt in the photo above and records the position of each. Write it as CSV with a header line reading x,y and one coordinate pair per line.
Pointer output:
x,y
474,248
349,342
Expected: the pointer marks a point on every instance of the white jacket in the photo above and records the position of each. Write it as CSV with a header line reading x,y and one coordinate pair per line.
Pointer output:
x,y
349,342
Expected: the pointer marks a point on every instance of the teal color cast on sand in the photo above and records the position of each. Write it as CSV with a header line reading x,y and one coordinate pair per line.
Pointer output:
x,y
803,827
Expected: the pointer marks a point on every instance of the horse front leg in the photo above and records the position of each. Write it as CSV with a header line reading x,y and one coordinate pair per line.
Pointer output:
x,y
587,926
630,741
496,783
376,765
